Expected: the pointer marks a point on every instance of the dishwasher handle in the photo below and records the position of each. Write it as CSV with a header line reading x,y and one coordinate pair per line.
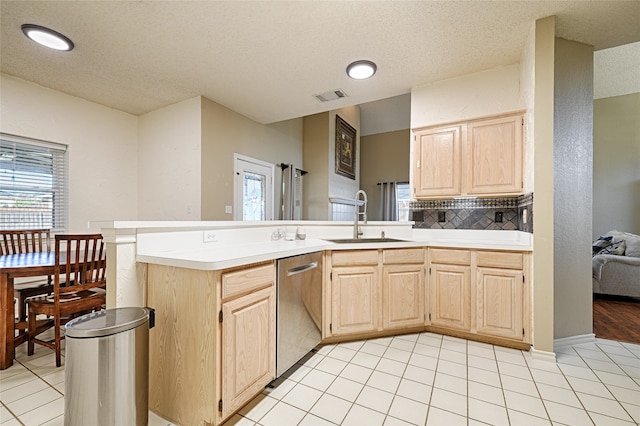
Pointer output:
x,y
302,268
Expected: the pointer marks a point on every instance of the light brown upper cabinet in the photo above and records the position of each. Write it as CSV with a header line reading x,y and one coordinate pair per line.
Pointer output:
x,y
437,164
473,158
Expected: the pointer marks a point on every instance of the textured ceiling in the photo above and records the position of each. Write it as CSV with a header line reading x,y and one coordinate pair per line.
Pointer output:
x,y
267,59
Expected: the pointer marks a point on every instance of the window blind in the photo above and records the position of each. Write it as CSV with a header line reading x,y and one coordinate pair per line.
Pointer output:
x,y
33,184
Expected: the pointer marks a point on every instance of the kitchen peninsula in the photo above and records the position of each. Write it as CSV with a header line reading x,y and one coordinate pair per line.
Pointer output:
x,y
213,285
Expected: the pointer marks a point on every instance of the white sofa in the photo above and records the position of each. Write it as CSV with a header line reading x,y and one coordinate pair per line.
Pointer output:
x,y
618,274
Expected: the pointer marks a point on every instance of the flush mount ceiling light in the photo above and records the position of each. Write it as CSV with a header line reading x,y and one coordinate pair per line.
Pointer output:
x,y
47,37
360,70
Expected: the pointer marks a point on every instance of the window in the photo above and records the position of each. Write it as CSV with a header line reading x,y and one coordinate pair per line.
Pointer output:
x,y
253,189
32,184
403,197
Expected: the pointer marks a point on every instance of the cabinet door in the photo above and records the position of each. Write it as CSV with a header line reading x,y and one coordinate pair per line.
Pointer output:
x,y
495,156
356,300
403,296
499,303
248,347
437,162
450,296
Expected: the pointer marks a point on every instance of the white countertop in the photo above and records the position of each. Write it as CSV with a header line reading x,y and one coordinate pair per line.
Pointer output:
x,y
235,248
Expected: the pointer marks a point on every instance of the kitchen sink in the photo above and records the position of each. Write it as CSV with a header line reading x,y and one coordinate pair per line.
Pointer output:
x,y
365,240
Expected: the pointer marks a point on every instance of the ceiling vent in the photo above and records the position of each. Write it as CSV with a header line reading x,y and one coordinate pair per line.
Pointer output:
x,y
331,95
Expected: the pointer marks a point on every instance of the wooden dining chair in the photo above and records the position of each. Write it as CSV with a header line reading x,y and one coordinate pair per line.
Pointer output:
x,y
27,241
79,284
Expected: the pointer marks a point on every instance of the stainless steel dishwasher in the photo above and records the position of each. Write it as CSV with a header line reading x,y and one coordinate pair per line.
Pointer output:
x,y
299,308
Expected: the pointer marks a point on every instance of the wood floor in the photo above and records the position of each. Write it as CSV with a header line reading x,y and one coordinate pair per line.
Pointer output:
x,y
617,318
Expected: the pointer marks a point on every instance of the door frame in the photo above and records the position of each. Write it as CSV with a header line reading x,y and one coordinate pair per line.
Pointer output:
x,y
238,161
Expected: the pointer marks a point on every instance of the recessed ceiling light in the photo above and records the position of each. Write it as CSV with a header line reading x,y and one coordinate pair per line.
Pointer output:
x,y
360,70
47,37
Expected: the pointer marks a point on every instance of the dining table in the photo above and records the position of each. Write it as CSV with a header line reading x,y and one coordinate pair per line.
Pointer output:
x,y
14,266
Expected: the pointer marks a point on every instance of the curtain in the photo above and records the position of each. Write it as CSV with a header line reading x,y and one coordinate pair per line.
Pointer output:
x,y
388,201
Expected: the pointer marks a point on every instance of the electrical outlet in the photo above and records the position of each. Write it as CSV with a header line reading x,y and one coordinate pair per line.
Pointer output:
x,y
524,216
228,209
442,216
209,237
498,217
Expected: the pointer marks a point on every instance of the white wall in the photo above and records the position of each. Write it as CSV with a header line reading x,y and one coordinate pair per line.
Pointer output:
x,y
169,162
102,147
485,93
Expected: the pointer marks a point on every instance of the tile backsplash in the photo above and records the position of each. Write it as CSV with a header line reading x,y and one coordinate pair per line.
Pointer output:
x,y
474,213
342,211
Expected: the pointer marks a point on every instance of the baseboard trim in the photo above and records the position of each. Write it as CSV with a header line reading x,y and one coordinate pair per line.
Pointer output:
x,y
573,340
542,355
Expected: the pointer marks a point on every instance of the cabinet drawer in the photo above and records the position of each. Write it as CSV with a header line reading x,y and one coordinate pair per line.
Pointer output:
x,y
451,257
497,259
354,257
408,255
246,280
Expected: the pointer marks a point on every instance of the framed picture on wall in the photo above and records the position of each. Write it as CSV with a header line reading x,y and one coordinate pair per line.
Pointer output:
x,y
345,149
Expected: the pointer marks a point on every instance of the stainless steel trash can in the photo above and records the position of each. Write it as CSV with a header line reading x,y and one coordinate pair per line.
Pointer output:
x,y
107,368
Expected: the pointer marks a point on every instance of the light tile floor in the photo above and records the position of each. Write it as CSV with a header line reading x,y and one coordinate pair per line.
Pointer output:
x,y
416,379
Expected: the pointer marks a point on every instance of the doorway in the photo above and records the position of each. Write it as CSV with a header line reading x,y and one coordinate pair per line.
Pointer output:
x,y
253,189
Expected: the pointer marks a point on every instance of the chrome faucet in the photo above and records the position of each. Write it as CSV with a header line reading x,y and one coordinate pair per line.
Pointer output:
x,y
356,229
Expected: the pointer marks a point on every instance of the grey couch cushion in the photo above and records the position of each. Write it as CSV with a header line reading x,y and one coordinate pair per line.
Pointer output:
x,y
632,242
633,246
613,273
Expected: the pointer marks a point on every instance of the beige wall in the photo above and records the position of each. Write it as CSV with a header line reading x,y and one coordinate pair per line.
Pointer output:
x,y
527,91
616,164
384,158
341,186
316,156
573,190
488,92
102,147
322,182
175,163
543,185
169,163
225,132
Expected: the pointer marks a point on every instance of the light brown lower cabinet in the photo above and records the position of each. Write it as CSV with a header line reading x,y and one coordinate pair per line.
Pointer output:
x,y
403,296
501,294
481,292
376,290
213,345
212,349
248,347
450,287
355,300
499,303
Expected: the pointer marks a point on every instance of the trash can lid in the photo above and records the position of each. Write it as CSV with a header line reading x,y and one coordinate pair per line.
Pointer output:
x,y
106,322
